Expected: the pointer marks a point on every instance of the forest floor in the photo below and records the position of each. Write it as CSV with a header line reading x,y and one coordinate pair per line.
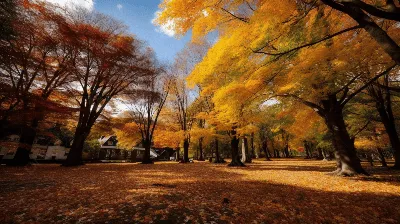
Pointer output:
x,y
279,191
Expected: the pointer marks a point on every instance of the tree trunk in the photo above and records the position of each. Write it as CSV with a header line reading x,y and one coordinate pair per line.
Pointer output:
x,y
390,127
246,157
186,150
265,149
74,157
146,156
324,155
235,150
320,154
382,157
286,147
307,146
217,157
347,162
369,158
253,150
133,156
287,154
277,153
244,154
177,154
201,158
27,138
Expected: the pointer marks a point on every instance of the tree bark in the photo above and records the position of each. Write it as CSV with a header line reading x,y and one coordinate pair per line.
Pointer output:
x,y
217,157
27,138
201,149
287,154
390,126
348,164
74,157
186,150
28,135
235,150
253,150
246,157
177,154
307,146
278,155
146,156
286,148
244,154
265,149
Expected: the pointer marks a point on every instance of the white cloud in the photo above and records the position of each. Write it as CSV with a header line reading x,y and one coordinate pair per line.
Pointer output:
x,y
119,6
68,3
167,29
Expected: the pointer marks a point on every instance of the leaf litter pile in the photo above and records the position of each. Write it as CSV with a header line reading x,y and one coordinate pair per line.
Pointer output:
x,y
280,191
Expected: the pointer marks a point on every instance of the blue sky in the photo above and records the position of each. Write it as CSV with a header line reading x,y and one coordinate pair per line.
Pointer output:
x,y
138,15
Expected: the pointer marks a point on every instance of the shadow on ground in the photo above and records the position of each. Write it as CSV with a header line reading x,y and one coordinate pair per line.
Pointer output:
x,y
195,193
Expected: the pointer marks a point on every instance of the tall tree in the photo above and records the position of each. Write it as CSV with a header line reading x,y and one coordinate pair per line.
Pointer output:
x,y
147,105
185,118
107,61
381,93
35,65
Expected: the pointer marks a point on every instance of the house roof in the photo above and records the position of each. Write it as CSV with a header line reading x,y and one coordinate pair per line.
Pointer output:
x,y
104,139
152,151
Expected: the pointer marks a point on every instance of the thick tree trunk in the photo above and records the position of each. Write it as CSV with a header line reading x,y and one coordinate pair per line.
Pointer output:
x,y
28,135
146,156
348,163
201,158
74,157
217,157
235,150
186,150
27,138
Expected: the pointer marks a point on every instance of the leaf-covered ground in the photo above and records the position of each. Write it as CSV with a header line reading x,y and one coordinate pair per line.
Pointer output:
x,y
280,191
